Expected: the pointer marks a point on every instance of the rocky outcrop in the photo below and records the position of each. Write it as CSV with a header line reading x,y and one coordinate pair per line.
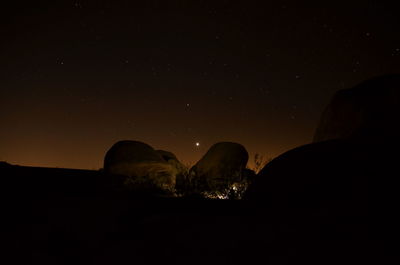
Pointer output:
x,y
140,166
368,111
171,159
166,155
222,165
311,176
350,167
4,164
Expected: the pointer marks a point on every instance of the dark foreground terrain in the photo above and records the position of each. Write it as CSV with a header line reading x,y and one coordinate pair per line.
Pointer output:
x,y
63,216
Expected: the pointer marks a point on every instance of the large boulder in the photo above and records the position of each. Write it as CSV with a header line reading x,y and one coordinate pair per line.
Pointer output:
x,y
337,197
312,176
343,187
141,167
353,148
336,190
166,155
222,165
171,159
4,164
368,111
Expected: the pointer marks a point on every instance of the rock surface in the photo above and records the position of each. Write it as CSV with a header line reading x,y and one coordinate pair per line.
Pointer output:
x,y
166,155
311,176
141,166
351,162
4,164
369,111
335,195
171,159
222,165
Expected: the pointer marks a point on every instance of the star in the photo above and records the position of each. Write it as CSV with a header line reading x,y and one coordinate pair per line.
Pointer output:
x,y
197,144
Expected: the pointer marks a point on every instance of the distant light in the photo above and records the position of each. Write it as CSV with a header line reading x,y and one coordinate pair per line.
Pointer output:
x,y
197,144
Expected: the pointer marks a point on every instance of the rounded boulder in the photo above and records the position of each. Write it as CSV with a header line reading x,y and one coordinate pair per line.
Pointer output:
x,y
141,166
368,111
222,165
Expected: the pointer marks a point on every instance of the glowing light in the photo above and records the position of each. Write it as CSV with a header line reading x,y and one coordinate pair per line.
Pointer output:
x,y
197,144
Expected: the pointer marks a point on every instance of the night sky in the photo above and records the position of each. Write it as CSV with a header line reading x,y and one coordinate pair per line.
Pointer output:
x,y
77,76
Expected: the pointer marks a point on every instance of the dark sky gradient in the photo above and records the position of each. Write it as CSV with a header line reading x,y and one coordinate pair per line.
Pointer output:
x,y
77,76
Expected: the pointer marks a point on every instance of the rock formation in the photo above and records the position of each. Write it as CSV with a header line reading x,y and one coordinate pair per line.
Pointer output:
x,y
166,155
368,111
313,176
141,166
221,166
171,159
351,165
4,164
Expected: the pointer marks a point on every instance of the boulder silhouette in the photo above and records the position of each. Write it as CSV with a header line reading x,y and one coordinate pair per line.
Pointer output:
x,y
369,111
171,159
353,148
329,192
348,183
313,176
221,166
166,155
4,164
141,166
